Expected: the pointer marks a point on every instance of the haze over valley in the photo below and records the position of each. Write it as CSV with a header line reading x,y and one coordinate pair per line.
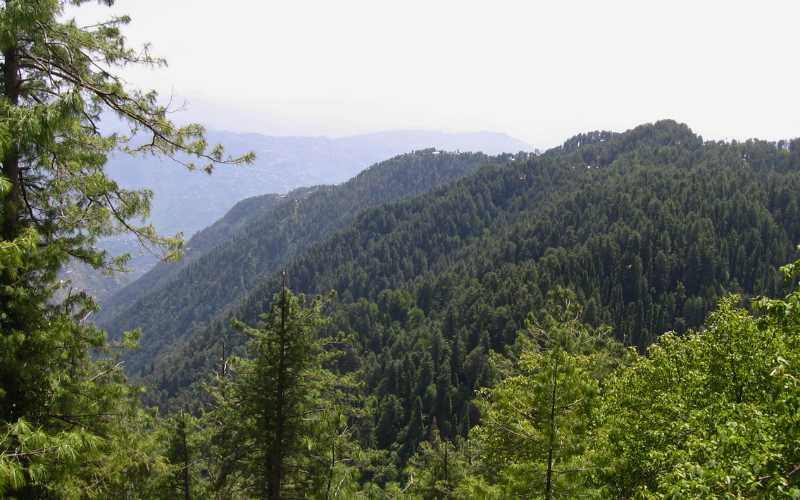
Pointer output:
x,y
186,202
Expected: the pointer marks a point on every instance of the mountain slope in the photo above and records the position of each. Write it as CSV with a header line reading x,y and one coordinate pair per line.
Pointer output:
x,y
166,303
649,228
202,242
187,201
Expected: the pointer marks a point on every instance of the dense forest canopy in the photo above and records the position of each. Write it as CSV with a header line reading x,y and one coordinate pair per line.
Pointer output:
x,y
648,229
251,243
184,202
472,260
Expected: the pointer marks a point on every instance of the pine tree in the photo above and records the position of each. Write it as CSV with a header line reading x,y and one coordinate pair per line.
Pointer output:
x,y
280,416
536,424
62,410
180,454
438,466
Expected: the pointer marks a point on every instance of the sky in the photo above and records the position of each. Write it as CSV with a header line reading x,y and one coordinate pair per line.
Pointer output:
x,y
539,71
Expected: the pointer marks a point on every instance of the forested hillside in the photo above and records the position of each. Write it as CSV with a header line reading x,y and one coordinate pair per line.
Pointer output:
x,y
256,238
186,202
189,201
237,218
649,228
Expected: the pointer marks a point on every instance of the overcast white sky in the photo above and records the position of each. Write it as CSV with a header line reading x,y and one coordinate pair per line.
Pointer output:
x,y
540,71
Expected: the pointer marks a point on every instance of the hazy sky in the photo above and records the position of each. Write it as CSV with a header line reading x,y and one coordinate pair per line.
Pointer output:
x,y
541,71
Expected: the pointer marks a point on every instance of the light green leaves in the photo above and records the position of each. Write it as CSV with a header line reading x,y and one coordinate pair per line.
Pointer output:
x,y
708,414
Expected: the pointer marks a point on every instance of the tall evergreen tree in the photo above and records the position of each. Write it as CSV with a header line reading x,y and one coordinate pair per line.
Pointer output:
x,y
60,410
180,454
282,424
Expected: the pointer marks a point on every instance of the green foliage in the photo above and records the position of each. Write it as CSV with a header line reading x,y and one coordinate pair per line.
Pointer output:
x,y
422,358
181,452
58,82
70,426
649,238
226,263
538,423
280,421
710,414
437,468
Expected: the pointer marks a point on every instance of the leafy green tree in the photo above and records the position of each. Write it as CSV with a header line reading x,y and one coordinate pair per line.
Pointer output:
x,y
66,417
713,413
437,468
537,424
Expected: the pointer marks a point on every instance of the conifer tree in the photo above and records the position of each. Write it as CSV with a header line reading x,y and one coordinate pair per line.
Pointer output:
x,y
438,466
180,454
281,418
536,423
61,410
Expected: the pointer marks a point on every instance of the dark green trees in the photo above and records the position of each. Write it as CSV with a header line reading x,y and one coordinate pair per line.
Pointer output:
x,y
280,417
166,303
181,455
710,414
276,389
438,467
460,268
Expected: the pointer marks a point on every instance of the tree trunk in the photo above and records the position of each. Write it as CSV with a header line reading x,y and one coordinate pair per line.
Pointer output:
x,y
275,459
446,469
187,485
331,468
10,222
11,159
548,487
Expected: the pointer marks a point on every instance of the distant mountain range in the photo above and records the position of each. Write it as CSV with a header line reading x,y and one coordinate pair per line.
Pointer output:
x,y
187,202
